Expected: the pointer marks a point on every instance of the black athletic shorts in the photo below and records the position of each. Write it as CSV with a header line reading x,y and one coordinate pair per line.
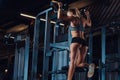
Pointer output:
x,y
77,40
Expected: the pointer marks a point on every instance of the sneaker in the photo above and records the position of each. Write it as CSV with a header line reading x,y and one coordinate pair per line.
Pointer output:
x,y
91,70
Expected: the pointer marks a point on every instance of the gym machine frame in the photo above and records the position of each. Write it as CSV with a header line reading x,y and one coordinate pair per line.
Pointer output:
x,y
21,58
46,45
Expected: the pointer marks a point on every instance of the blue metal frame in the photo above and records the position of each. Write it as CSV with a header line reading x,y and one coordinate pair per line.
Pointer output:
x,y
26,58
103,47
60,46
46,47
21,63
90,47
35,49
15,76
119,43
36,43
118,75
21,60
119,52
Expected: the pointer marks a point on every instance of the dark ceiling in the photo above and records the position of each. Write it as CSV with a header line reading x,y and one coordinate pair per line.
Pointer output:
x,y
105,11
11,9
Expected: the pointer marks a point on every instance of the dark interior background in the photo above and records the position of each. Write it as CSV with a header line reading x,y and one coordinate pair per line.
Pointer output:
x,y
102,12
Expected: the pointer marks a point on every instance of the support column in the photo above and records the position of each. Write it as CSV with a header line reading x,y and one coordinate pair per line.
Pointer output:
x,y
46,47
26,58
103,47
118,75
16,63
119,52
36,43
21,59
90,47
35,49
119,43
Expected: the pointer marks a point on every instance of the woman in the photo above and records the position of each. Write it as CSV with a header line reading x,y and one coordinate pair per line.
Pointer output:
x,y
74,18
86,22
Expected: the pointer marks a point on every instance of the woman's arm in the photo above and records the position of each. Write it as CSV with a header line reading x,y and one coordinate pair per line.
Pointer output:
x,y
61,15
88,21
60,11
78,12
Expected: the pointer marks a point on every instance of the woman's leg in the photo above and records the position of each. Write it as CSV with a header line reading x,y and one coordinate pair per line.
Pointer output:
x,y
84,50
91,66
73,50
78,57
81,61
81,57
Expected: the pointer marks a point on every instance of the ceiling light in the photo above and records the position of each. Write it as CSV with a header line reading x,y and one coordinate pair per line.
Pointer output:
x,y
29,16
32,17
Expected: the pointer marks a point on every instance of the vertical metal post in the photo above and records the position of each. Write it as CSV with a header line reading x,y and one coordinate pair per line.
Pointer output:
x,y
118,52
119,43
35,44
35,49
20,69
46,47
56,28
26,58
54,34
15,76
103,47
21,63
118,75
90,47
53,65
54,53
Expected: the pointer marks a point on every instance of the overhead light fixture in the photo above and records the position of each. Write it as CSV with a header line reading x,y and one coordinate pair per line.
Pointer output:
x,y
28,16
33,17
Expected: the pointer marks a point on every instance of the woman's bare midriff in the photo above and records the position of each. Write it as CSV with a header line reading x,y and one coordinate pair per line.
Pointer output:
x,y
77,34
76,22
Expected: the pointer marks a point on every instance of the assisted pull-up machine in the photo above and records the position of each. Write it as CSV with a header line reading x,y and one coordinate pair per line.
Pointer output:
x,y
55,50
56,47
